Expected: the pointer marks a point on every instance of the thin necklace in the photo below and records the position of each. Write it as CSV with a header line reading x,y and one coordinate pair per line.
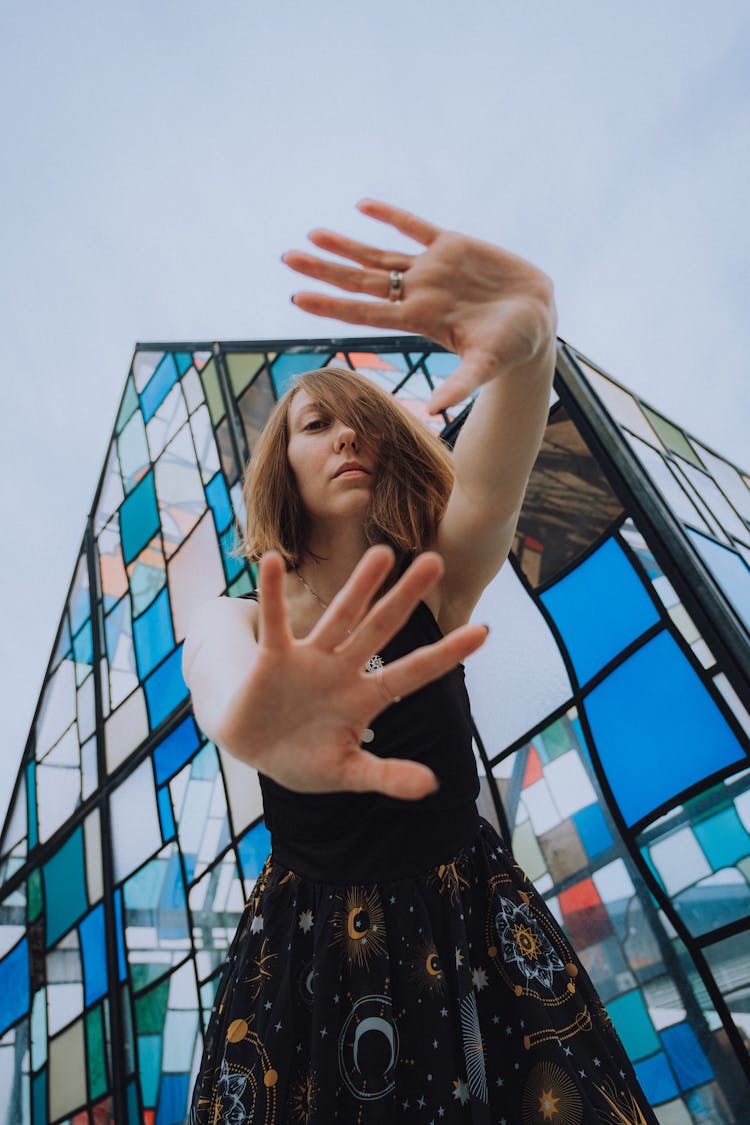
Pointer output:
x,y
372,664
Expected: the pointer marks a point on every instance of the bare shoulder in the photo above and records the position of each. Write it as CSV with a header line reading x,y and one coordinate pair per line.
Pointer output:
x,y
219,618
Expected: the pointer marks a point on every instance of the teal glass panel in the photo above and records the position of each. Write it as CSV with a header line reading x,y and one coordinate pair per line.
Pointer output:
x,y
686,1055
218,498
184,360
253,849
723,838
172,753
149,1066
152,634
139,518
14,985
128,405
159,386
39,1115
633,1024
173,1097
121,964
599,608
287,366
166,817
655,708
65,886
656,1079
134,1114
92,936
233,564
729,568
31,804
165,688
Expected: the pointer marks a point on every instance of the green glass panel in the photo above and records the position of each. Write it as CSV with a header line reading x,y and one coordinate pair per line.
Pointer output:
x,y
243,367
36,898
127,406
97,1062
672,436
151,1009
144,972
555,740
212,389
723,838
242,585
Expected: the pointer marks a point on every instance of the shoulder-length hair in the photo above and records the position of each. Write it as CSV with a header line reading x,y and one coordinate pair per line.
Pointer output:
x,y
412,485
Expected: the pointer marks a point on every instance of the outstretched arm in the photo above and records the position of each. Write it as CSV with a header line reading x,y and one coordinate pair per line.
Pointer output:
x,y
497,312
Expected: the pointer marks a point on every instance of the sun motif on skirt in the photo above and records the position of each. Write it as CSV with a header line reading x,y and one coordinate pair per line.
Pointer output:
x,y
427,969
359,926
304,1096
550,1094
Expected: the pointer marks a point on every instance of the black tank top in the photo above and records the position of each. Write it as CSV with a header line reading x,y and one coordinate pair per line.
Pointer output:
x,y
363,835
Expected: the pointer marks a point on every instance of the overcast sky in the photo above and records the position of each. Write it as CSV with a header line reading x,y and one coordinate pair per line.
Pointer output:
x,y
158,158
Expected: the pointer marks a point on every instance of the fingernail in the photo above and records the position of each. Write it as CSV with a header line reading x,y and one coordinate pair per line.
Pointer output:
x,y
488,629
293,299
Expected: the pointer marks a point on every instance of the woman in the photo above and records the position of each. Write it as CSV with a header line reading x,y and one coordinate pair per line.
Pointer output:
x,y
392,963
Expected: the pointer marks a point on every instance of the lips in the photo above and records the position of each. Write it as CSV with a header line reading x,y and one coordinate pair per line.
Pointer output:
x,y
350,466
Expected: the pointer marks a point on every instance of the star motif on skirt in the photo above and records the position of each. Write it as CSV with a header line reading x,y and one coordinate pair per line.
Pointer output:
x,y
257,924
459,958
479,978
460,1091
306,921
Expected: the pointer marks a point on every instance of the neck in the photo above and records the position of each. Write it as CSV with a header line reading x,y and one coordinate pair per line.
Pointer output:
x,y
332,554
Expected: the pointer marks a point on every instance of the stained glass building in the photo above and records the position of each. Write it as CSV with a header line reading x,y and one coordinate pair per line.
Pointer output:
x,y
612,730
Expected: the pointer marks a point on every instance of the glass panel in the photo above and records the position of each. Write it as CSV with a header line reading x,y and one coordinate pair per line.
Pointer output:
x,y
125,729
144,365
196,573
113,576
729,479
716,502
147,574
65,998
167,420
672,436
622,405
200,808
664,479
212,389
139,518
568,503
205,443
157,933
134,802
67,1071
65,886
676,723
118,635
243,367
112,491
58,778
128,405
181,497
730,571
159,386
132,449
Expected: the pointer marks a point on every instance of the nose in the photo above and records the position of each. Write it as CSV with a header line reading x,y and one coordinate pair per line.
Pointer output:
x,y
343,437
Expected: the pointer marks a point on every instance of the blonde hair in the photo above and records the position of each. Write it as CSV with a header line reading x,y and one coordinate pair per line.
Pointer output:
x,y
413,480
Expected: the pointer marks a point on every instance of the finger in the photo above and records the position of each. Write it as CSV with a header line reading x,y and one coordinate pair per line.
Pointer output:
x,y
274,622
458,387
393,610
360,252
411,225
353,599
377,314
428,663
396,777
374,282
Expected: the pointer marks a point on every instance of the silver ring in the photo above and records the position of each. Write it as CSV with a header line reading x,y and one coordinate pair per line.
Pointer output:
x,y
384,687
396,287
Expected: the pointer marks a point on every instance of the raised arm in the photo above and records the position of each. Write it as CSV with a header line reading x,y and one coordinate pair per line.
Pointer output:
x,y
497,312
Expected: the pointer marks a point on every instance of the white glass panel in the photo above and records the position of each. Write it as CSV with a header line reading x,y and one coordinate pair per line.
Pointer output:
x,y
135,822
125,729
162,427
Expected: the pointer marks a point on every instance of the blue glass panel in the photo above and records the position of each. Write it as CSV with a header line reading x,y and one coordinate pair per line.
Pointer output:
x,y
730,570
218,499
633,1024
139,518
723,838
439,364
121,965
166,817
655,708
83,645
686,1056
93,947
233,564
31,804
172,917
115,624
253,849
593,830
183,360
65,886
171,754
158,386
599,608
39,1115
656,1079
165,688
172,1099
152,633
14,985
287,366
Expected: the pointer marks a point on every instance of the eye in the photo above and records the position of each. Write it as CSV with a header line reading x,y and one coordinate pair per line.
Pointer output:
x,y
315,424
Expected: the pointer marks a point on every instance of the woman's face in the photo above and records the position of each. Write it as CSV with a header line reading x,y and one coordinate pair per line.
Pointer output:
x,y
332,464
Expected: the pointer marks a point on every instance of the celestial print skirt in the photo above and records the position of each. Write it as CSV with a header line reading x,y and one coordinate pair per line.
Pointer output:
x,y
450,997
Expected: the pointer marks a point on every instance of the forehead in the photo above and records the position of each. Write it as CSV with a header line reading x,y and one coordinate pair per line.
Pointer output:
x,y
301,401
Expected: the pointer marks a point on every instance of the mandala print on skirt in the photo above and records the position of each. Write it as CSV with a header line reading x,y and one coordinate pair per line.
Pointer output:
x,y
452,997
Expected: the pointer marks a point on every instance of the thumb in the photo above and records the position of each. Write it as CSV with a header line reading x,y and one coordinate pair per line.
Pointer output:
x,y
394,777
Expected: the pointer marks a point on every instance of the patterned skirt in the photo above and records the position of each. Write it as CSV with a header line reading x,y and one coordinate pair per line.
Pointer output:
x,y
451,997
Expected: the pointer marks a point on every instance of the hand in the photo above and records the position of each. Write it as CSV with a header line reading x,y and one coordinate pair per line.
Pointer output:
x,y
306,703
495,310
